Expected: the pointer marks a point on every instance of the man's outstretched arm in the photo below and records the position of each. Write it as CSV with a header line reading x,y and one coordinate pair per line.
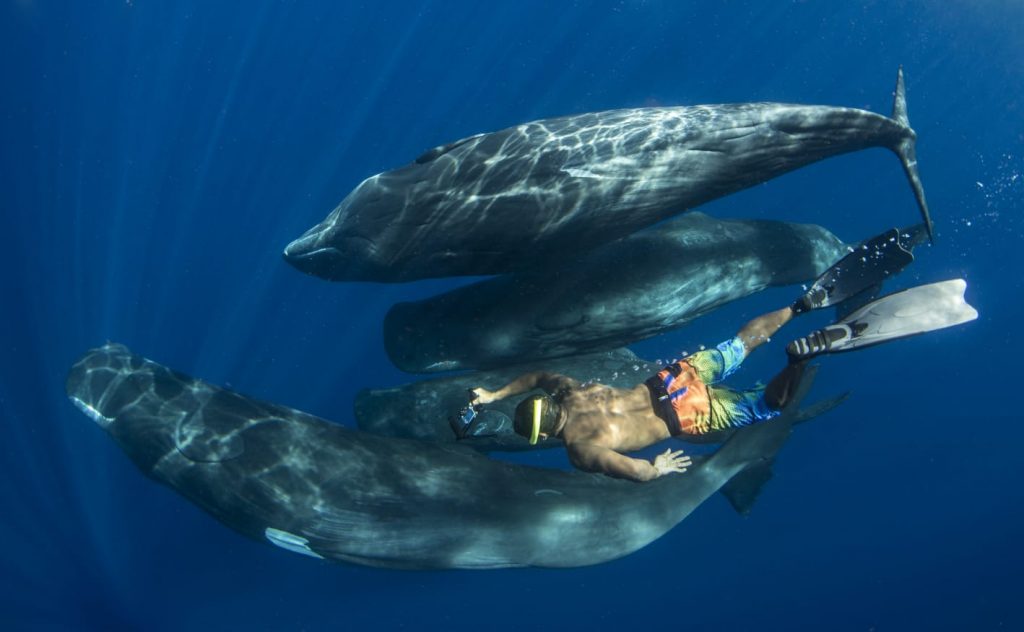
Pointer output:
x,y
595,458
549,382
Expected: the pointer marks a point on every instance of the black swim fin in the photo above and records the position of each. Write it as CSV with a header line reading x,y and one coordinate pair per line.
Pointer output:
x,y
865,267
908,313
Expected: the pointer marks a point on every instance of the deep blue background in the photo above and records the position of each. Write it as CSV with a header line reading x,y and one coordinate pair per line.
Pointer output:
x,y
157,156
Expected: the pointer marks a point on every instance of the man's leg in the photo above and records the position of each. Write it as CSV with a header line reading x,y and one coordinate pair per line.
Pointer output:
x,y
758,331
714,365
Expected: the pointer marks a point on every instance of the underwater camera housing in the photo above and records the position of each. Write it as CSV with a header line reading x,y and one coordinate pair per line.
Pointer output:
x,y
462,423
473,420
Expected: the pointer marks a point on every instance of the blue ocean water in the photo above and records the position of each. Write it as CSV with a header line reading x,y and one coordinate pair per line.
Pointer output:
x,y
156,158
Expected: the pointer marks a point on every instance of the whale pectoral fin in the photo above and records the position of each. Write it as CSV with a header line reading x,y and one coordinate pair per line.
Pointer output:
x,y
744,488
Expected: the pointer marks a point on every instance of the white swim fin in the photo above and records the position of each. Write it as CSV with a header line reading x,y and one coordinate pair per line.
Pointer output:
x,y
908,313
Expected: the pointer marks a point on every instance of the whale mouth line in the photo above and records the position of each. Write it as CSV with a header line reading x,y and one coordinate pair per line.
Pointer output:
x,y
92,413
295,249
312,253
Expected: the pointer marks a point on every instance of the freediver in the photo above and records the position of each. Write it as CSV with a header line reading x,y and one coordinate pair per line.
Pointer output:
x,y
599,423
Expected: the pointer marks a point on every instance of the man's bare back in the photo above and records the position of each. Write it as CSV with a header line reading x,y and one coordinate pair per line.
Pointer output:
x,y
619,419
598,422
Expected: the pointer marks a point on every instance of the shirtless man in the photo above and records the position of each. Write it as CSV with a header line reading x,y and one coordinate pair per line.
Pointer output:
x,y
598,423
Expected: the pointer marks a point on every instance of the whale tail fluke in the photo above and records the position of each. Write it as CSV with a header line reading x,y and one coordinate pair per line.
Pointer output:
x,y
907,151
747,457
743,489
759,442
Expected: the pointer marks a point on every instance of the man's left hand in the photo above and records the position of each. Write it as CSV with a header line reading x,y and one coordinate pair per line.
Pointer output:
x,y
668,462
482,396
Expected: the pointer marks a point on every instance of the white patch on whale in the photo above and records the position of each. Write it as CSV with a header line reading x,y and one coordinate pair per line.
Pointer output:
x,y
443,365
92,413
580,173
552,492
290,541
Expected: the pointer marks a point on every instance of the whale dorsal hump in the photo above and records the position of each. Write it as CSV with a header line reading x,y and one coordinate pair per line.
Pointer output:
x,y
432,154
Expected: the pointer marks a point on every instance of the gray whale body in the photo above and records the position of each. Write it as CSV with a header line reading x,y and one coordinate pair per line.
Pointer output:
x,y
319,489
500,202
634,288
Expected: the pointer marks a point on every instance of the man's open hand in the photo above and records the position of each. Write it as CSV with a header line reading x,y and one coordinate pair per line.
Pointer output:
x,y
669,461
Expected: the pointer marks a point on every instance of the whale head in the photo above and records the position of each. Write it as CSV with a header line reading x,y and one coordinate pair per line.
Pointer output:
x,y
345,246
127,395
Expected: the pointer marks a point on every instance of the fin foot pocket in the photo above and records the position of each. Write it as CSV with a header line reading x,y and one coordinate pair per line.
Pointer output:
x,y
818,342
815,298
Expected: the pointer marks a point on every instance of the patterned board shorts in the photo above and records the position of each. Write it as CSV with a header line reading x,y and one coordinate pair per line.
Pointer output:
x,y
729,408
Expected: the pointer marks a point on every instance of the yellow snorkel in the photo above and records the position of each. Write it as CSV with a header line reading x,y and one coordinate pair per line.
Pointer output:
x,y
535,432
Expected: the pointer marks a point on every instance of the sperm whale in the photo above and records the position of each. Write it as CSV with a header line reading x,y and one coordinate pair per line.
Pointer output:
x,y
546,190
326,491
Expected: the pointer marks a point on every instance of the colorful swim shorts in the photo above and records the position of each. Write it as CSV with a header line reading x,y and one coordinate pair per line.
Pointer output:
x,y
684,398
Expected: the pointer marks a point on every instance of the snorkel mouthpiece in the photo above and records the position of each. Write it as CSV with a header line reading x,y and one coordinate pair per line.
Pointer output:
x,y
535,431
